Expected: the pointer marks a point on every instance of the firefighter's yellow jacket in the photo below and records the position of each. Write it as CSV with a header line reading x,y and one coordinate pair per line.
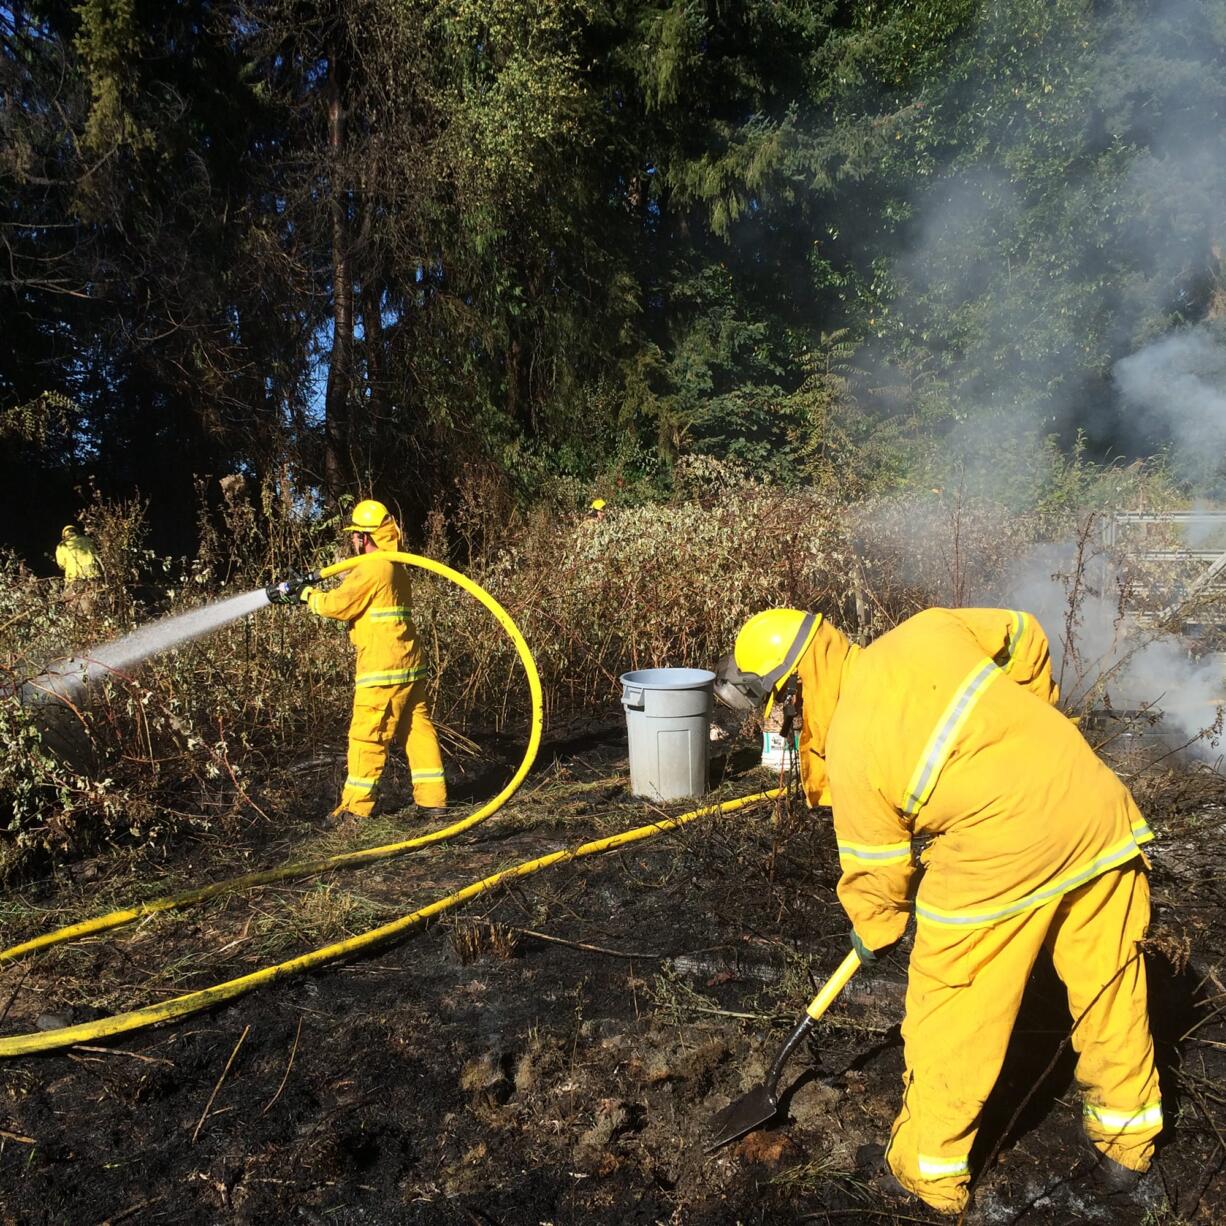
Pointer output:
x,y
376,600
946,729
76,557
820,673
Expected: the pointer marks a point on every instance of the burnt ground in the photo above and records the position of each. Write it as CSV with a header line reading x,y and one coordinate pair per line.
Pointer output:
x,y
554,1053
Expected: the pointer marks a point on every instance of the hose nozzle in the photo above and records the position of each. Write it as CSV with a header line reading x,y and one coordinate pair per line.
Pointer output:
x,y
289,590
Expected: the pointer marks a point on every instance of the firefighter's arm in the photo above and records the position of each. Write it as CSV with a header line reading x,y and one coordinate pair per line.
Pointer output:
x,y
875,856
1016,641
812,764
345,603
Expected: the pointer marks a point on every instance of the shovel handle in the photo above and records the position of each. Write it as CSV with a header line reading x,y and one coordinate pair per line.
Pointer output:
x,y
817,1006
792,1042
833,986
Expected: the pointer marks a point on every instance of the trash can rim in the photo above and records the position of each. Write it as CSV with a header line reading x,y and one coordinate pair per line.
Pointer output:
x,y
668,678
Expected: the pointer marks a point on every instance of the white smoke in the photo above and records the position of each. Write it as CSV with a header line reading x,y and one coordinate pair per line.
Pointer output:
x,y
1176,389
1028,328
1103,656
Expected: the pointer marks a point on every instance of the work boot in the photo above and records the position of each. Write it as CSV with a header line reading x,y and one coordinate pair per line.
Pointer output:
x,y
1115,1179
1109,1177
870,1157
341,821
431,812
871,1161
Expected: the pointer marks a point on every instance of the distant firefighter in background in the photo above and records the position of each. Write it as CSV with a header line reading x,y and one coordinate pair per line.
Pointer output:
x,y
77,557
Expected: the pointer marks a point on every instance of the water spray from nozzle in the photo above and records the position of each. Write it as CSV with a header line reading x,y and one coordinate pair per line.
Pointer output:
x,y
67,678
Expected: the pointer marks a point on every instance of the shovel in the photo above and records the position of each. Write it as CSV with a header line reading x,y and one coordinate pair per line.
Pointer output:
x,y
756,1108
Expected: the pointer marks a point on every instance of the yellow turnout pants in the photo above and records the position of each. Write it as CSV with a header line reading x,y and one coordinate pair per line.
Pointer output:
x,y
963,993
383,716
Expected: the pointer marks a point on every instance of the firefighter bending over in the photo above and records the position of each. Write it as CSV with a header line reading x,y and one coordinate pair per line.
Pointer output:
x,y
946,730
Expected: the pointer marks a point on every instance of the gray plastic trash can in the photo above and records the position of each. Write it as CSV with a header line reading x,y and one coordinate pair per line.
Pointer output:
x,y
668,719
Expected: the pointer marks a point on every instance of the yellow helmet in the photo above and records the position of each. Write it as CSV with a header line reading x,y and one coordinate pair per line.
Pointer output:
x,y
68,530
768,649
597,504
367,516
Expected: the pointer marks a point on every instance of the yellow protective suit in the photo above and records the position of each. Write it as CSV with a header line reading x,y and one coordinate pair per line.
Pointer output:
x,y
389,695
819,672
76,557
945,729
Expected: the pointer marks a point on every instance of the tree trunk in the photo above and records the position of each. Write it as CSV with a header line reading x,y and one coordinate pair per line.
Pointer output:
x,y
376,350
340,366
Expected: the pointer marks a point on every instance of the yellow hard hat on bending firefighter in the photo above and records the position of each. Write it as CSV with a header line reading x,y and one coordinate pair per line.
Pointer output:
x,y
767,651
946,729
389,697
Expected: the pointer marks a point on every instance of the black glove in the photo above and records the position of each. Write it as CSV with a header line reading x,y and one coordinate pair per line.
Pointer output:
x,y
289,590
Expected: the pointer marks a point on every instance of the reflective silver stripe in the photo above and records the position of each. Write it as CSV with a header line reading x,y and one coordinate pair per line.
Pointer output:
x,y
426,776
1141,1120
390,612
942,1168
1121,853
359,784
1015,635
936,753
399,676
875,853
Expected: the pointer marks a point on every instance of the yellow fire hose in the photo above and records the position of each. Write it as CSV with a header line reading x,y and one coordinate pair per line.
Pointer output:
x,y
307,868
182,1006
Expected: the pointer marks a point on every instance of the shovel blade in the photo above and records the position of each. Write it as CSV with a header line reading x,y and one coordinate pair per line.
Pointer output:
x,y
748,1112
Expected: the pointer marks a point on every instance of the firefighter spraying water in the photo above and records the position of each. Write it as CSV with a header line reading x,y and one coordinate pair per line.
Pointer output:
x,y
390,705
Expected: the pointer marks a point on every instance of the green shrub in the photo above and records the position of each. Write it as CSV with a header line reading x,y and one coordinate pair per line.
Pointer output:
x,y
204,730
